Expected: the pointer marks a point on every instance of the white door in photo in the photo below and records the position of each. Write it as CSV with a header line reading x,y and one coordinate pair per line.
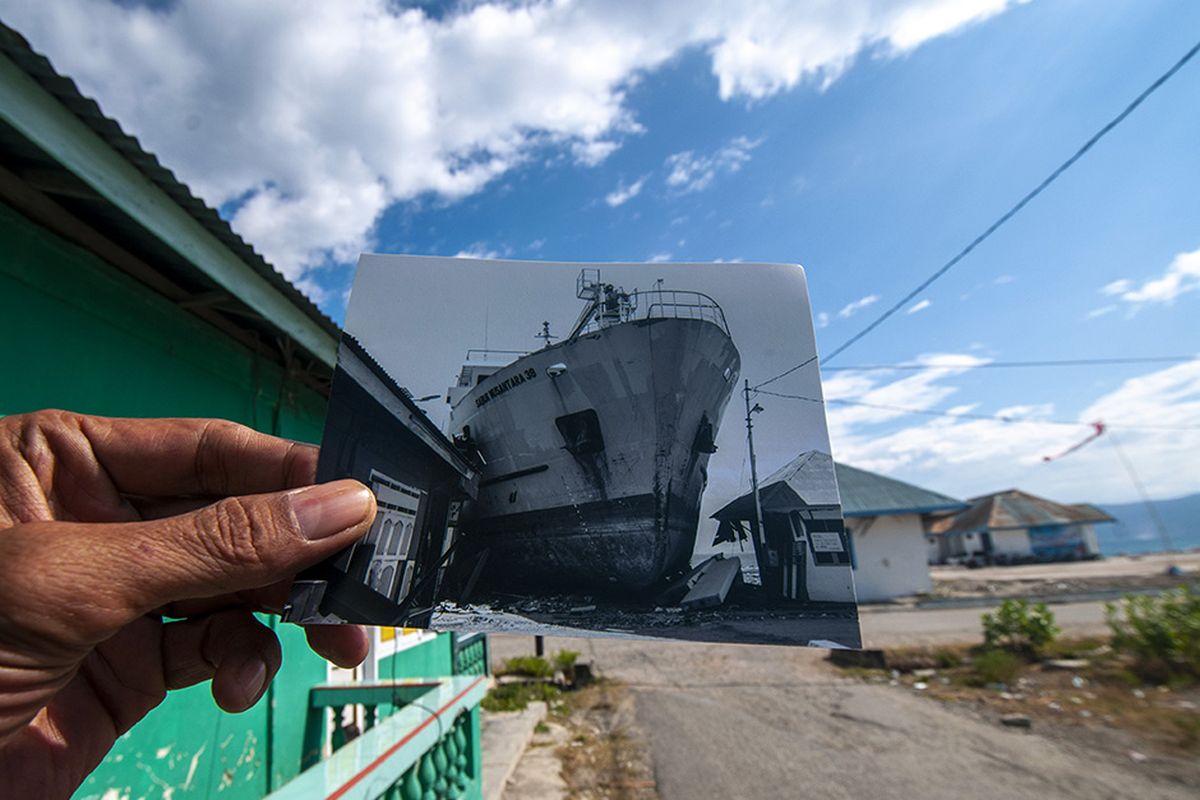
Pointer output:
x,y
393,534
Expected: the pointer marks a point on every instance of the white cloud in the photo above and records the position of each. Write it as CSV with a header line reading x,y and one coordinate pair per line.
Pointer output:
x,y
920,305
308,119
1101,311
883,401
1000,280
590,154
688,172
850,309
1181,276
767,47
624,193
659,258
963,457
1117,287
822,320
478,250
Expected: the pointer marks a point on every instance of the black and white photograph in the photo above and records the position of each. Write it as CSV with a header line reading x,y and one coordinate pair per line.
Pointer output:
x,y
578,449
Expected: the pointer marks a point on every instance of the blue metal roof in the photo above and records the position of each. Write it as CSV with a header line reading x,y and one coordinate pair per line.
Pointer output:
x,y
808,480
869,494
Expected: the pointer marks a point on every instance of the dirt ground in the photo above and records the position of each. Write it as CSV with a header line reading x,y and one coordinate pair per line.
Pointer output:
x,y
1119,573
604,755
1082,692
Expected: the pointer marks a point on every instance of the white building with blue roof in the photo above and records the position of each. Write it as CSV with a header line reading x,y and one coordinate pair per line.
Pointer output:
x,y
885,518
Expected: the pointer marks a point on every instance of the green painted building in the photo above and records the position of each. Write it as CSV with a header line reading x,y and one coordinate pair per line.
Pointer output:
x,y
122,294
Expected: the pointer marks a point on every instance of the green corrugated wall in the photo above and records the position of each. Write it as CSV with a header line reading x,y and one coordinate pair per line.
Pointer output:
x,y
83,336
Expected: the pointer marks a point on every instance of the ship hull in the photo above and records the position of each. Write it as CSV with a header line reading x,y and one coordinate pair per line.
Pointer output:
x,y
596,451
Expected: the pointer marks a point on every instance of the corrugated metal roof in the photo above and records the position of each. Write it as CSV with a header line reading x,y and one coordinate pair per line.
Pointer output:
x,y
1014,509
811,476
869,494
64,90
813,479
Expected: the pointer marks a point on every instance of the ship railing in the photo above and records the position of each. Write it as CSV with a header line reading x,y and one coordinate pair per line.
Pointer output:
x,y
659,304
481,354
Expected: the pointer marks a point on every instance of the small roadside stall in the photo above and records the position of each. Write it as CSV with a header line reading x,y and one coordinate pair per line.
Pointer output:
x,y
802,549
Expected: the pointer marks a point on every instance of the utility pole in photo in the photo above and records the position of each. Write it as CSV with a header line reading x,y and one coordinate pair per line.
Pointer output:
x,y
758,518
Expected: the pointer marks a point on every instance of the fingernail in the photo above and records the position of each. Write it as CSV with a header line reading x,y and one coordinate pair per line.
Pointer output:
x,y
251,678
330,507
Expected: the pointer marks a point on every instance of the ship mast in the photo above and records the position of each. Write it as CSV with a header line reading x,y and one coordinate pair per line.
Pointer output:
x,y
758,517
545,335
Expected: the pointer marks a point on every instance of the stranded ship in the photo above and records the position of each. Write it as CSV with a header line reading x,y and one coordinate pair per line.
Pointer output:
x,y
595,448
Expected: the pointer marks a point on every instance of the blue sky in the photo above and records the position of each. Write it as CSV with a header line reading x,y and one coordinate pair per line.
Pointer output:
x,y
868,145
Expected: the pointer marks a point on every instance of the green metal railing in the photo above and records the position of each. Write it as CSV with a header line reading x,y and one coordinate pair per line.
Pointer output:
x,y
419,741
471,654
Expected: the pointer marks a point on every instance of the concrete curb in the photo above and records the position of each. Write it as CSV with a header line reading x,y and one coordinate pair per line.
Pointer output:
x,y
504,736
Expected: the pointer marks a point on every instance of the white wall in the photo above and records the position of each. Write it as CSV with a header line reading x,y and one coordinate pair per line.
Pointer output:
x,y
1011,543
934,544
892,557
1089,538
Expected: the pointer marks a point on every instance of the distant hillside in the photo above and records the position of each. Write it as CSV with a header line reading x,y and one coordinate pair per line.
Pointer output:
x,y
1134,530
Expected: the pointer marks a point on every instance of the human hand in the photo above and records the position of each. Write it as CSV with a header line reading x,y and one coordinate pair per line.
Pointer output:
x,y
107,526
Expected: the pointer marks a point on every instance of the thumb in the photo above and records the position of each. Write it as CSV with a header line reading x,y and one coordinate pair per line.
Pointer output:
x,y
87,581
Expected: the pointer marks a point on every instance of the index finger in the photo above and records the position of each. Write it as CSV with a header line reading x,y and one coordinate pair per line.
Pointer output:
x,y
195,457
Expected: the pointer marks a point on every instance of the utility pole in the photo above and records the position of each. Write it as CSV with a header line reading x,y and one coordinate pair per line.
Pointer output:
x,y
758,517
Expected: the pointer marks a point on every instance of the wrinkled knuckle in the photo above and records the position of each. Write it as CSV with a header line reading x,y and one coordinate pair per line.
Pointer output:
x,y
217,449
51,417
236,535
299,464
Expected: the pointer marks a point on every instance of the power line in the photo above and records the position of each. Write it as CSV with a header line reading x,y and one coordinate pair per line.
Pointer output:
x,y
928,412
978,240
785,373
1141,490
1069,362
1053,176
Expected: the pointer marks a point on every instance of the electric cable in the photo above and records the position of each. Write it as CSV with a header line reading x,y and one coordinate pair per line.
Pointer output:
x,y
1012,212
1066,362
967,415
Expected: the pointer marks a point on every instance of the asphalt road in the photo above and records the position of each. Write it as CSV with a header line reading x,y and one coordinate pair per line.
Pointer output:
x,y
729,721
886,626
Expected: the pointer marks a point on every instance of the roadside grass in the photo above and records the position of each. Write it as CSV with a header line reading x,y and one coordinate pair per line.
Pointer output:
x,y
529,666
604,756
530,679
516,696
1105,689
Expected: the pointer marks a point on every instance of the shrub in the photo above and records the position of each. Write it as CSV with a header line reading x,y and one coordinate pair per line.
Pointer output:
x,y
531,666
1162,633
515,696
565,660
947,659
1020,628
994,666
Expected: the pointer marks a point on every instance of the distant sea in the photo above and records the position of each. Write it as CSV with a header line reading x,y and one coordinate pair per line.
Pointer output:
x,y
1135,530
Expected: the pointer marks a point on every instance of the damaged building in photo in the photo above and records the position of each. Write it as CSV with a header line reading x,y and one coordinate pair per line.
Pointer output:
x,y
380,436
